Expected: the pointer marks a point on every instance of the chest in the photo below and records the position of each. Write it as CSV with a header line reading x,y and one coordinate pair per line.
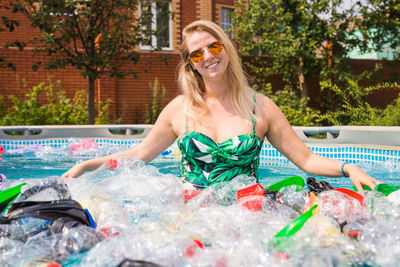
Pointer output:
x,y
220,126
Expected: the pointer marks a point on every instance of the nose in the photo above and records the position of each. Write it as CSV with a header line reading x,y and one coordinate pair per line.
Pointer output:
x,y
207,54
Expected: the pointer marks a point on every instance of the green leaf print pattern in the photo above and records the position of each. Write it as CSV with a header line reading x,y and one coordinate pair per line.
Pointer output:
x,y
205,162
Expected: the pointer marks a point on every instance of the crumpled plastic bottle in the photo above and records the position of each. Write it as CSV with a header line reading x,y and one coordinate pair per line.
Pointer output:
x,y
46,189
23,228
60,247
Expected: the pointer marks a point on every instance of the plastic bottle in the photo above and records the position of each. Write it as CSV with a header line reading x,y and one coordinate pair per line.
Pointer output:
x,y
23,228
353,229
251,197
352,194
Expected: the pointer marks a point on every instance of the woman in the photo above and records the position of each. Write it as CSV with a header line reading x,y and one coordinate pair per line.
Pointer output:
x,y
220,121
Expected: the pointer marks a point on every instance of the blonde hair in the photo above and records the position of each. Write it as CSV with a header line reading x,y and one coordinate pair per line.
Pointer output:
x,y
192,85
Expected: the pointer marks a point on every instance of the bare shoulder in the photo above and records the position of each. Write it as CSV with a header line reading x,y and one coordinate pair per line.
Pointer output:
x,y
174,106
266,106
267,113
174,114
178,100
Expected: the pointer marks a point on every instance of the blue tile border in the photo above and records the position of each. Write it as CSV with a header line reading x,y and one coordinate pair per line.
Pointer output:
x,y
269,155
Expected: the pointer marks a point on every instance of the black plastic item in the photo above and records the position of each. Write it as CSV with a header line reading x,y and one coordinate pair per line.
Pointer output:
x,y
67,209
270,194
137,263
317,186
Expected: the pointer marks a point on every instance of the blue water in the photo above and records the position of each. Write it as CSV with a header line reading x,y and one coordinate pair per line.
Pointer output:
x,y
32,167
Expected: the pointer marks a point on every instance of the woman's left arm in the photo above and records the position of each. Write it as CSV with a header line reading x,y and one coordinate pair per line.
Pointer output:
x,y
281,135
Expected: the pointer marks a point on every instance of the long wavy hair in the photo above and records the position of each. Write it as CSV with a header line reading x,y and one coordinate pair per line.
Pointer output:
x,y
192,85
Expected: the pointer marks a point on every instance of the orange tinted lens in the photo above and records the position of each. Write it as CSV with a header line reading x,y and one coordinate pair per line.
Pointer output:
x,y
215,48
196,56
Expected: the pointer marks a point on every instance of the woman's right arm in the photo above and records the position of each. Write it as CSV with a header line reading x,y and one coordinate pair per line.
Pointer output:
x,y
161,136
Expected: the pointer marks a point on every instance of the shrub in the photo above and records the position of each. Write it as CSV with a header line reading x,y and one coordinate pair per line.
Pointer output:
x,y
390,116
352,107
58,110
1,106
295,108
157,102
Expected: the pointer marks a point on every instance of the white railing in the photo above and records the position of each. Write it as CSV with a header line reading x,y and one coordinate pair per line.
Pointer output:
x,y
372,135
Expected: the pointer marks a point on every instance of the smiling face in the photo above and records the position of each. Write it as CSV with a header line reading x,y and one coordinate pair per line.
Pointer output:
x,y
212,67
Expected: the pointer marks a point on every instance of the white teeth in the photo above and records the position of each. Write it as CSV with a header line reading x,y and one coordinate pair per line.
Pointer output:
x,y
212,65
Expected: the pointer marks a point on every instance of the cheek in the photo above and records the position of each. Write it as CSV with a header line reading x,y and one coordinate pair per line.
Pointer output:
x,y
197,67
224,57
225,63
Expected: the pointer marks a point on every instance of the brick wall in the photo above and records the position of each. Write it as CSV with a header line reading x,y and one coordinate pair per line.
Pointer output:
x,y
204,9
17,83
130,96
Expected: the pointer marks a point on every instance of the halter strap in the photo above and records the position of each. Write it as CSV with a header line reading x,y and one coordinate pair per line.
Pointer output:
x,y
254,113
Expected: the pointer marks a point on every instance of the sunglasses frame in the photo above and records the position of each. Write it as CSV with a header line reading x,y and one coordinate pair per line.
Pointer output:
x,y
201,52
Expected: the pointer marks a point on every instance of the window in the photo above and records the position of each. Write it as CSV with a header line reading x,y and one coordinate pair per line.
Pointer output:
x,y
161,24
226,20
61,8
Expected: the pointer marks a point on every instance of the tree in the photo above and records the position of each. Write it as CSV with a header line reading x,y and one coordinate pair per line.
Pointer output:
x,y
95,36
380,24
300,37
9,24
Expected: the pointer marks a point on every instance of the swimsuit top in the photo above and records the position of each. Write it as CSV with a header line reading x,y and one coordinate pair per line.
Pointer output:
x,y
205,162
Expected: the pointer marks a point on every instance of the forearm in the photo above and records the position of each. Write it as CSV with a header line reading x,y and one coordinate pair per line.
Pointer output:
x,y
93,164
323,166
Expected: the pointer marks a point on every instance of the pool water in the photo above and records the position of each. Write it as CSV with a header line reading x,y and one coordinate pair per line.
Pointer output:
x,y
33,167
141,215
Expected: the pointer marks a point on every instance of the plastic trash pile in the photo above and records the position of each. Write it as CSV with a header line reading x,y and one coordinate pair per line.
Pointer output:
x,y
127,213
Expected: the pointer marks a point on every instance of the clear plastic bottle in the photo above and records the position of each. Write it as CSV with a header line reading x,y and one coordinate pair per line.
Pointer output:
x,y
23,228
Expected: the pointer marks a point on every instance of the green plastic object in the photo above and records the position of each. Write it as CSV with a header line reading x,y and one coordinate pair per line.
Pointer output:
x,y
383,188
294,226
8,196
386,188
293,180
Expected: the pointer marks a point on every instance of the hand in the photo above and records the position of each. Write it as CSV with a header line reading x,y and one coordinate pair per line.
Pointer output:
x,y
75,171
360,178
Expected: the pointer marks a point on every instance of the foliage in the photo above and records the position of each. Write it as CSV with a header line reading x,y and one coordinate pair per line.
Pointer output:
x,y
295,108
8,24
300,38
157,102
98,37
382,17
103,114
390,115
59,110
353,109
1,106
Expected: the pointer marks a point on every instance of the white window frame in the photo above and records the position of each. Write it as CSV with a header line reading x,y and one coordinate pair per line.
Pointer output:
x,y
58,14
222,19
154,27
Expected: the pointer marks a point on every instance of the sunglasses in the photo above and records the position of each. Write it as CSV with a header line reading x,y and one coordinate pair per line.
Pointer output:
x,y
198,55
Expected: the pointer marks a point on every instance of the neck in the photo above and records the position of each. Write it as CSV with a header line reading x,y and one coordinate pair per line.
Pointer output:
x,y
216,89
